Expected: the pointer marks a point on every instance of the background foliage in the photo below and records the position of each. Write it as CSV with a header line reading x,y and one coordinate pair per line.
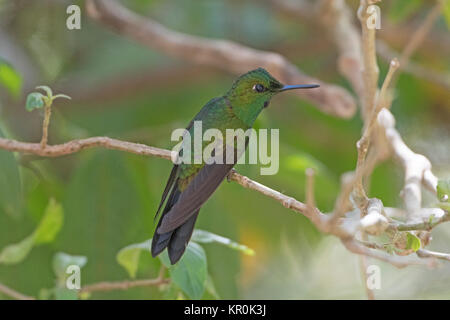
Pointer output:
x,y
95,203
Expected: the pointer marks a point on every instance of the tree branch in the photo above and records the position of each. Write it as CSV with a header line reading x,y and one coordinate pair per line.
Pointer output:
x,y
123,285
432,254
223,54
81,144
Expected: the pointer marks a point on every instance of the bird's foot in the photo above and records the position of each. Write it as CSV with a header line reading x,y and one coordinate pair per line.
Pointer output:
x,y
232,171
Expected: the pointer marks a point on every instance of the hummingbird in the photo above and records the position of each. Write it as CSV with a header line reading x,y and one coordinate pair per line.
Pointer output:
x,y
190,185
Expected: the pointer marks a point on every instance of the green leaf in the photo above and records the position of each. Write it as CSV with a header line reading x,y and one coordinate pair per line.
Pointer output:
x,y
61,96
50,224
128,257
10,79
35,100
208,237
47,90
61,261
210,288
190,272
46,231
413,242
15,253
443,190
10,184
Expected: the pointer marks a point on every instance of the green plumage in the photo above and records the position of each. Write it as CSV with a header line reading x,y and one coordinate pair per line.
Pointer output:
x,y
190,185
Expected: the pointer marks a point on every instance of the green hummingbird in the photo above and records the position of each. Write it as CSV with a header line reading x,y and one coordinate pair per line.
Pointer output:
x,y
190,185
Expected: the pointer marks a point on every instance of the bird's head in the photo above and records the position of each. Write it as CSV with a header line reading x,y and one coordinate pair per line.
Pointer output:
x,y
252,92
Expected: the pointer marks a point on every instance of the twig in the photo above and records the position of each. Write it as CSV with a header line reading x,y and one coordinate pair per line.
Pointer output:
x,y
422,253
123,285
422,225
399,262
14,294
363,264
46,123
78,145
223,54
286,201
310,201
363,144
370,67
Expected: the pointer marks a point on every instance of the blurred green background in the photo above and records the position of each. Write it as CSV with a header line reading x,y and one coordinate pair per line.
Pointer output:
x,y
126,91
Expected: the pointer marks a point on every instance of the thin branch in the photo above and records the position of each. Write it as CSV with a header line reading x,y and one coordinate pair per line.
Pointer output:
x,y
363,265
123,285
399,262
363,144
422,225
286,201
422,253
81,144
13,293
223,54
310,199
370,69
46,123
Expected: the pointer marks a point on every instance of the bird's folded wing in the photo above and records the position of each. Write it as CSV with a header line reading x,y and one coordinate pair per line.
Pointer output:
x,y
198,191
170,183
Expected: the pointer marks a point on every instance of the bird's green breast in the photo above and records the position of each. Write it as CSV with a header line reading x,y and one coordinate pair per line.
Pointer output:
x,y
216,114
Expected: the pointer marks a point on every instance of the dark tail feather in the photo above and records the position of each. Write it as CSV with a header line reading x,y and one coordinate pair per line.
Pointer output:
x,y
180,238
160,241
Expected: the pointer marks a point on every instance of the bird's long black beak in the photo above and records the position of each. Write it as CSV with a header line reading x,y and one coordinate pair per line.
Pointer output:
x,y
299,86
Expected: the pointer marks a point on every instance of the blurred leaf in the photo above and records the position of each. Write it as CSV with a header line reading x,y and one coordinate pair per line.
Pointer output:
x,y
47,90
208,237
171,291
128,257
65,294
402,9
446,12
62,96
101,195
302,161
35,100
444,206
50,224
61,261
10,184
443,190
10,78
46,231
413,242
190,272
211,288
15,253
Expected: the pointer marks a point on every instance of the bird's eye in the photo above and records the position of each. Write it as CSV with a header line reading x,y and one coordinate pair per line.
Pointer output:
x,y
259,88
